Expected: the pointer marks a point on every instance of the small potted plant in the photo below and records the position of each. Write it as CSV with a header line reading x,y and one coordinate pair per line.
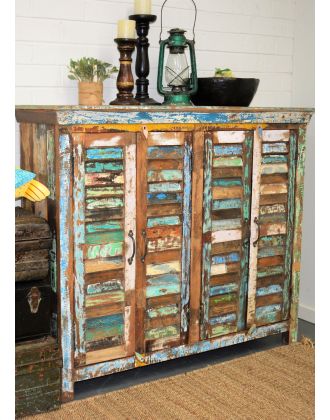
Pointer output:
x,y
90,74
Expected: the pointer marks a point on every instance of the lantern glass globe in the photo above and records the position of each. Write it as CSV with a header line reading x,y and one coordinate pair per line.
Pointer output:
x,y
177,70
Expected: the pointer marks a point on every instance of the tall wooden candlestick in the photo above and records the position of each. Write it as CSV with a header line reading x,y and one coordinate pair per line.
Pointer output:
x,y
125,81
142,66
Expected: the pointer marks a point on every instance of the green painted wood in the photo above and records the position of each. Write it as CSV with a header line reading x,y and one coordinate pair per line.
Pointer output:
x,y
290,221
105,326
226,298
164,175
105,287
104,153
162,311
227,204
221,162
207,228
113,249
297,234
164,332
274,159
272,241
268,314
227,182
270,271
163,221
104,237
164,187
103,191
271,251
103,226
222,330
105,203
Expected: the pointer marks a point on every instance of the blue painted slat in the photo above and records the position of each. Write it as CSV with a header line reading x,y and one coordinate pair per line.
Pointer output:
x,y
223,289
104,153
268,313
224,319
161,198
228,150
92,167
233,182
163,221
166,284
227,204
105,326
102,226
186,233
207,228
269,290
165,152
223,259
275,159
274,148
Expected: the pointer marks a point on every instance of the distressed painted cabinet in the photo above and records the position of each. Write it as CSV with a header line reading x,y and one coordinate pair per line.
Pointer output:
x,y
177,231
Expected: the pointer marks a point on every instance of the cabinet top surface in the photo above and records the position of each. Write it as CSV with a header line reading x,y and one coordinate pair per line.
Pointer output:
x,y
79,115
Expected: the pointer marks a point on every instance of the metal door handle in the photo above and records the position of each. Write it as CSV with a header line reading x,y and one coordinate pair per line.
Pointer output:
x,y
144,235
256,221
130,259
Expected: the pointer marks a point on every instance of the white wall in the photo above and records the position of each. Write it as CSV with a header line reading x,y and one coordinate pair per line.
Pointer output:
x,y
255,38
303,95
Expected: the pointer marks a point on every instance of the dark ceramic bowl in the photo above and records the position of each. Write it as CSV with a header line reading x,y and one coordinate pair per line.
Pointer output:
x,y
225,91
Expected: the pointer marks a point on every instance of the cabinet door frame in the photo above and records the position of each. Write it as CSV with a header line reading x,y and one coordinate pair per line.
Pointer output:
x,y
142,191
272,134
231,136
80,143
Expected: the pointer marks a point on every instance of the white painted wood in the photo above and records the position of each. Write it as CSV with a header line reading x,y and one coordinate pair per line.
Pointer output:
x,y
130,225
226,235
255,200
274,189
276,135
229,136
217,269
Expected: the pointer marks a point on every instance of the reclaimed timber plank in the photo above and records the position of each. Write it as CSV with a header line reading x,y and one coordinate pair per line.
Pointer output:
x,y
96,167
114,249
65,266
104,287
226,192
162,332
99,277
273,199
226,235
156,302
162,322
186,235
254,236
226,214
273,178
229,137
224,162
226,224
168,138
227,172
164,244
297,234
273,229
141,225
164,231
276,168
94,266
165,187
40,165
79,240
104,226
270,148
164,210
130,235
172,167
164,152
107,153
228,150
164,256
276,135
163,221
273,188
207,228
105,326
98,140
104,191
98,356
162,311
26,155
105,178
222,247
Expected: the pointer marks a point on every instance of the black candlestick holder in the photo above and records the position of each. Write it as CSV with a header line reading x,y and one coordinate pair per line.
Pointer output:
x,y
142,67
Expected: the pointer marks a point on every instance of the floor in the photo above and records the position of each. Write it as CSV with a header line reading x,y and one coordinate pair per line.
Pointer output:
x,y
174,367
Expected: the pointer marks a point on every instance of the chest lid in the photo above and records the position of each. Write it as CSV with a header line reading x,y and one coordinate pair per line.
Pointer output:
x,y
29,227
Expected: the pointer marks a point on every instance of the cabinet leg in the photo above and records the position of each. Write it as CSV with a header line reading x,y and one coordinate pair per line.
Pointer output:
x,y
67,395
285,337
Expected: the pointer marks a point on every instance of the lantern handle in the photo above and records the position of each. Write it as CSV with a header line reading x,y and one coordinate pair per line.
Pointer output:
x,y
161,20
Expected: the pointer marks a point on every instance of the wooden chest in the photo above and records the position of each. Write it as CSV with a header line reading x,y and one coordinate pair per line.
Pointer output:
x,y
178,229
33,307
37,377
32,244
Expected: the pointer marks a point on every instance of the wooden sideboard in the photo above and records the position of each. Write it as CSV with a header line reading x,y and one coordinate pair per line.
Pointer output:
x,y
178,230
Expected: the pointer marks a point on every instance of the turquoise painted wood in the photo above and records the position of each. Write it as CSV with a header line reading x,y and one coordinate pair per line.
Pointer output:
x,y
228,150
103,166
103,327
227,204
105,153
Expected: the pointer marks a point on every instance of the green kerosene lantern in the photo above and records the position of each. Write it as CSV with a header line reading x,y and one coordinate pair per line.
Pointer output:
x,y
180,77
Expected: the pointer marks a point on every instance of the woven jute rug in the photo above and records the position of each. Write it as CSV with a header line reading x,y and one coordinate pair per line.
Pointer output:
x,y
270,385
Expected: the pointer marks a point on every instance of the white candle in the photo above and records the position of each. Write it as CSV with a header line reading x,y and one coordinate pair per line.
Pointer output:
x,y
126,29
142,7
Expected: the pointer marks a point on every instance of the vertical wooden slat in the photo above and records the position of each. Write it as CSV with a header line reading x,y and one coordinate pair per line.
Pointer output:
x,y
289,230
141,223
51,162
186,231
296,250
40,164
196,236
207,230
65,260
256,180
79,240
130,225
246,221
26,152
